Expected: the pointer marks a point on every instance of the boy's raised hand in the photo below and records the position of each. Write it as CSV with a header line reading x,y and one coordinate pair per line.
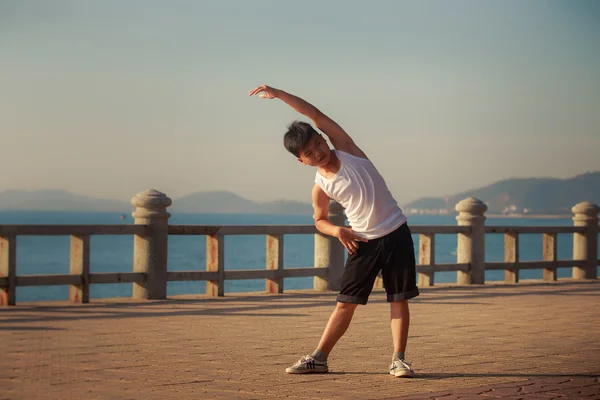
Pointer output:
x,y
264,91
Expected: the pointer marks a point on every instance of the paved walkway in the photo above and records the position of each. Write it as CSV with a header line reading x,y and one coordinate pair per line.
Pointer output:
x,y
522,341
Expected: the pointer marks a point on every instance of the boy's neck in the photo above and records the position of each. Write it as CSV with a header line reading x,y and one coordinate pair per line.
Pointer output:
x,y
332,167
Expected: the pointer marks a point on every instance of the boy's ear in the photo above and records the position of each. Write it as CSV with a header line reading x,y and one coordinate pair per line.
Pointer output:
x,y
301,162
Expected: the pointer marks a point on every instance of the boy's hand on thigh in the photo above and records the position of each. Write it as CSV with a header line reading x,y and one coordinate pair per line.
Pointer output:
x,y
349,239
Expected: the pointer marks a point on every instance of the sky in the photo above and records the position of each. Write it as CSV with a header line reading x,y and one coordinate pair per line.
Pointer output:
x,y
110,98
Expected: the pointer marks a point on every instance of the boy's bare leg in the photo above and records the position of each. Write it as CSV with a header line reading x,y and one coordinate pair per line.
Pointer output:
x,y
400,320
337,326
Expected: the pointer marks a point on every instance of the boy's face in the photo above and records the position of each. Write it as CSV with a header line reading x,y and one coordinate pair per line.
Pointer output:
x,y
316,153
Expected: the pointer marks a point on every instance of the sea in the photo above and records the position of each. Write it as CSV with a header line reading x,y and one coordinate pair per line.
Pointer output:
x,y
114,253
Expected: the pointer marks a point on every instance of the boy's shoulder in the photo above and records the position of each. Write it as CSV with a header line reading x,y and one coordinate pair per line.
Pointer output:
x,y
349,156
350,147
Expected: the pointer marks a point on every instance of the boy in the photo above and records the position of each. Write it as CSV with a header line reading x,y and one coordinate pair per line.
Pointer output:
x,y
379,237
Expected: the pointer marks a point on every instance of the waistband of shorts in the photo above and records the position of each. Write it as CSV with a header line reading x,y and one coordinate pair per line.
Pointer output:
x,y
391,233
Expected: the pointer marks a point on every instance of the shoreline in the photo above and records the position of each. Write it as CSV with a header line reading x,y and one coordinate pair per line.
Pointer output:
x,y
538,216
500,216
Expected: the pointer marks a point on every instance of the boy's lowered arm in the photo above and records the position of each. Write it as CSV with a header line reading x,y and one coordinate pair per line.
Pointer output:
x,y
346,236
338,137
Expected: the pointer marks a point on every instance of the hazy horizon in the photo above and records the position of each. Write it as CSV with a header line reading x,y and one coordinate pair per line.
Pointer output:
x,y
108,99
266,200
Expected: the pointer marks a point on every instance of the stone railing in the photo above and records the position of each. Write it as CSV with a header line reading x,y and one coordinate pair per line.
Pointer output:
x,y
151,232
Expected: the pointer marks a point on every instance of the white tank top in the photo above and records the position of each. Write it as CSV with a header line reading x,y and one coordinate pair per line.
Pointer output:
x,y
370,208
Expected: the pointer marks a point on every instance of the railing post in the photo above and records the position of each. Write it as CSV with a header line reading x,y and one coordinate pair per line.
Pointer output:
x,y
585,245
549,250
80,265
215,262
378,281
426,258
511,255
471,246
8,269
274,257
150,249
329,252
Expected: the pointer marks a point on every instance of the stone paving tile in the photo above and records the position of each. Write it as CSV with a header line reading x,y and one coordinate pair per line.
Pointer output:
x,y
516,341
580,387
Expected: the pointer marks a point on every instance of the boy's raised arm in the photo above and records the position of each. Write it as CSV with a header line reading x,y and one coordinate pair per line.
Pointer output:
x,y
338,137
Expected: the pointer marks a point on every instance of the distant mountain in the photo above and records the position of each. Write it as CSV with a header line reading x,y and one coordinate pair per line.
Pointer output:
x,y
57,200
214,202
230,203
535,195
529,195
288,207
220,202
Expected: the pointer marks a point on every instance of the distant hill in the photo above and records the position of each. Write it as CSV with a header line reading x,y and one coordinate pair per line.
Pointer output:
x,y
535,195
57,200
214,202
203,202
230,203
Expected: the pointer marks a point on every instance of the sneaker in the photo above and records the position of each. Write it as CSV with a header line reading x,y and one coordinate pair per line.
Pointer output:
x,y
307,365
401,368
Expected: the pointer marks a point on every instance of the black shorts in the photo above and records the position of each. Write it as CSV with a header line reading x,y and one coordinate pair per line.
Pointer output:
x,y
394,256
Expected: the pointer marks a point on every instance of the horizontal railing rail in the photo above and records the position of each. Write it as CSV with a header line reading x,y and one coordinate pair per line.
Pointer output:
x,y
534,229
67,230
241,229
72,279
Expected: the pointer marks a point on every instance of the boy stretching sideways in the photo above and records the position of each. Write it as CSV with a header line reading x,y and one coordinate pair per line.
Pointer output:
x,y
379,238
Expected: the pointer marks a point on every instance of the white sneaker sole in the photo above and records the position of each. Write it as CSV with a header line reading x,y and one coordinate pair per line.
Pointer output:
x,y
403,374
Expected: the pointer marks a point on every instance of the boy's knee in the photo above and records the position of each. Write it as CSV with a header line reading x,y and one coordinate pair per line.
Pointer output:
x,y
399,305
346,306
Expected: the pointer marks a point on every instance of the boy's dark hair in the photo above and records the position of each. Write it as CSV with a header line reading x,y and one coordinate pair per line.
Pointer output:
x,y
297,136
